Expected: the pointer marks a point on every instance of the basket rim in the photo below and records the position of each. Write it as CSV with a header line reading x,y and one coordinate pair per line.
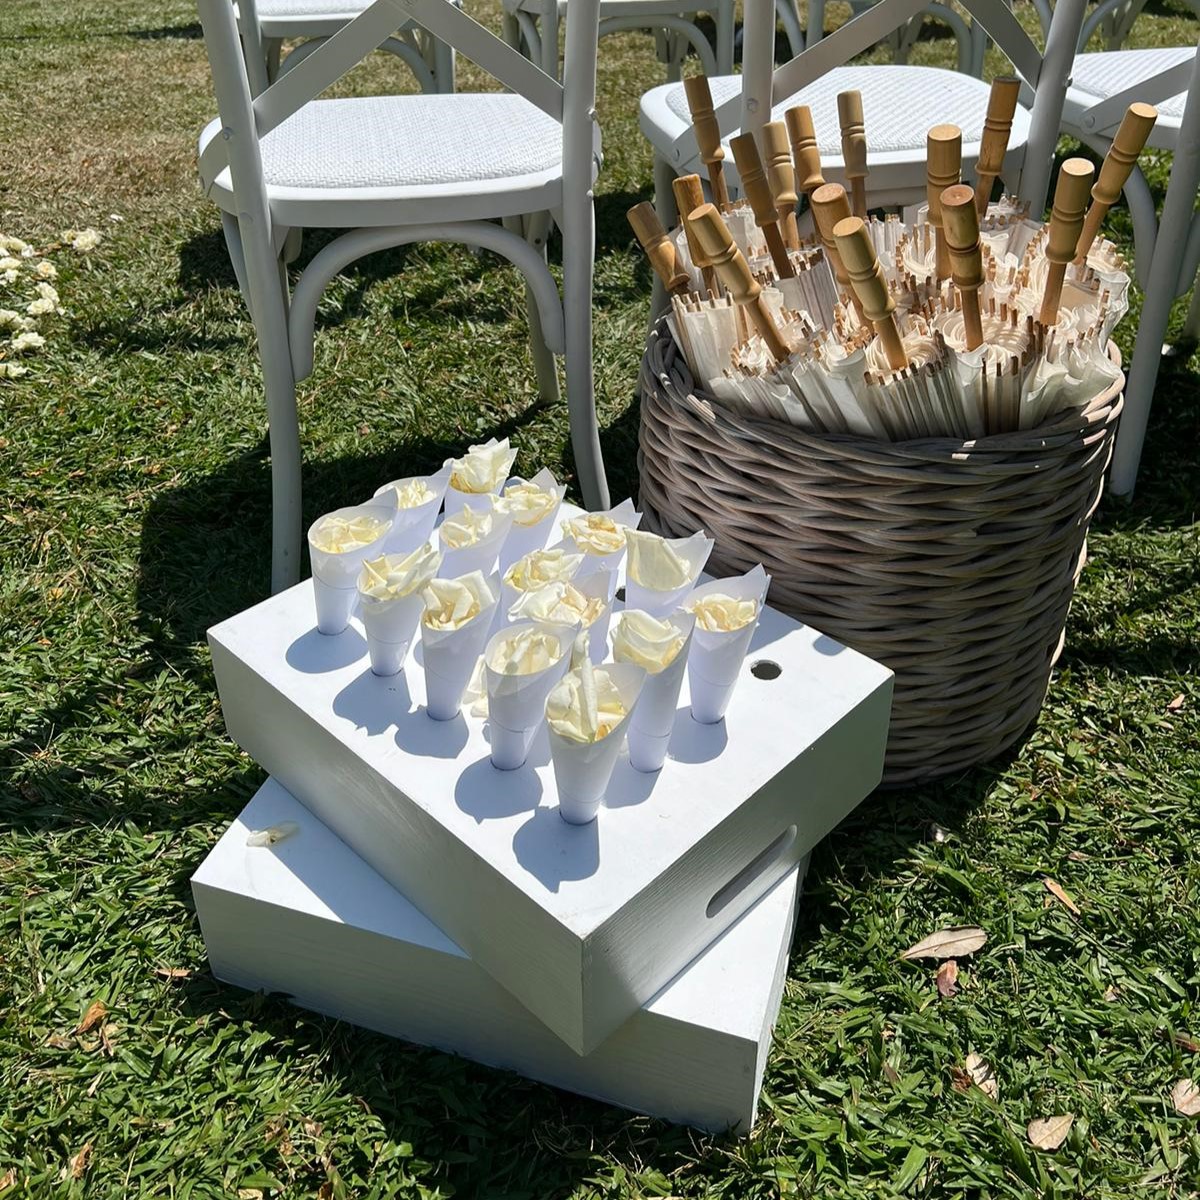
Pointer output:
x,y
664,360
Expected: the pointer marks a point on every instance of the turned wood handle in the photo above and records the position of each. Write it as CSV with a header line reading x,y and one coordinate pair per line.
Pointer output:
x,y
943,154
993,145
960,222
806,155
1066,223
858,254
659,248
704,119
754,180
720,250
830,205
854,134
781,175
689,196
1115,170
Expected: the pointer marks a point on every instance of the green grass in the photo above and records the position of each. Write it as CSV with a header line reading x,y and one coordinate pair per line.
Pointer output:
x,y
134,513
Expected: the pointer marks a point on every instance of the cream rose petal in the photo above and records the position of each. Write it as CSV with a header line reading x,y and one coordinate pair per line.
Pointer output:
x,y
467,527
452,603
339,535
392,576
525,652
646,641
558,603
541,567
595,533
718,613
585,706
483,468
529,503
654,563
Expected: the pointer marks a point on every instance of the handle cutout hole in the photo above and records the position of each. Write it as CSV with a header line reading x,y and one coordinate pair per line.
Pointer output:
x,y
620,594
757,866
765,668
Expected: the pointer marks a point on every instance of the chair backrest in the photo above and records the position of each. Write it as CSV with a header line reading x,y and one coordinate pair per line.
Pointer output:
x,y
249,112
1046,73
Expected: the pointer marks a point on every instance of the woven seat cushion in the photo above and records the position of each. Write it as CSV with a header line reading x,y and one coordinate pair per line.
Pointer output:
x,y
1111,71
309,8
409,142
900,105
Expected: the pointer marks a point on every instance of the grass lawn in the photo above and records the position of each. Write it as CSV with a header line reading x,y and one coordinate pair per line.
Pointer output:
x,y
134,491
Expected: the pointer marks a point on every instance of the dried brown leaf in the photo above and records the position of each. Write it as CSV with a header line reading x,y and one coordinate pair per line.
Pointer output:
x,y
960,1079
1059,893
79,1162
982,1076
173,973
948,943
890,1073
95,1014
1186,1042
947,978
1048,1133
1176,704
59,1041
249,1193
1185,1095
8,1179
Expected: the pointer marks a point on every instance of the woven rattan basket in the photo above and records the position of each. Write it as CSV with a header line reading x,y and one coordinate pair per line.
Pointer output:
x,y
952,563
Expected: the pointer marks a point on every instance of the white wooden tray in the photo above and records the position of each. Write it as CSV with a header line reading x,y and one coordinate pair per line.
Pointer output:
x,y
582,924
308,918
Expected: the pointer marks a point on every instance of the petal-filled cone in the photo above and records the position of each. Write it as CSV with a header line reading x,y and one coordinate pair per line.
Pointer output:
x,y
335,574
449,656
390,626
523,539
413,526
625,515
582,770
715,659
694,550
517,703
481,555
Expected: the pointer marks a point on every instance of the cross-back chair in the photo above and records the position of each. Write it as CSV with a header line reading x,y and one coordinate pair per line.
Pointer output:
x,y
392,170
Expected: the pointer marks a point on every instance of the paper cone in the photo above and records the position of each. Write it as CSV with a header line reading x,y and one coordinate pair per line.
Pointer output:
x,y
517,703
695,551
413,526
652,724
623,514
456,499
482,555
450,655
390,627
582,770
600,586
335,576
715,659
522,539
509,595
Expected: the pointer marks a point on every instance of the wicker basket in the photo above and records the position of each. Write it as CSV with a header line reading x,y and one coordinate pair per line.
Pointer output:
x,y
952,563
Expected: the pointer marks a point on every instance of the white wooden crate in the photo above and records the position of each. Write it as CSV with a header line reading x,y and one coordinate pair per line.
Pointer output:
x,y
308,918
582,924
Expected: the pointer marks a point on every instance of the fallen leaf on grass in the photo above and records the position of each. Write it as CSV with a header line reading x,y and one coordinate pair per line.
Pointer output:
x,y
1186,1042
1057,891
1176,704
8,1179
95,1014
1185,1095
947,978
173,972
1048,1133
948,943
79,1162
249,1194
975,1072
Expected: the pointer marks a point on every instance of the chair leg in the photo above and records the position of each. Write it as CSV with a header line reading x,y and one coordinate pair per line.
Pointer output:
x,y
786,10
1191,323
579,248
535,229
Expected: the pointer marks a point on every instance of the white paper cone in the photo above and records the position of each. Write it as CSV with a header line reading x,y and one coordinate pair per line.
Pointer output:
x,y
455,500
582,770
715,659
623,514
479,557
654,720
524,539
517,703
695,551
412,527
449,657
336,574
390,627
335,606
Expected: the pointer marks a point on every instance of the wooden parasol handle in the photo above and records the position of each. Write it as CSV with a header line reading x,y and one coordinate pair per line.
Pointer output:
x,y
806,155
708,134
993,145
1115,170
1066,223
659,248
830,205
943,166
689,196
720,250
960,222
781,176
758,192
854,148
858,253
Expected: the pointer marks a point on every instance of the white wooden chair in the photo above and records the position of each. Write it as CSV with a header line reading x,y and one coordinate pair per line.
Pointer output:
x,y
900,103
1167,248
314,21
393,170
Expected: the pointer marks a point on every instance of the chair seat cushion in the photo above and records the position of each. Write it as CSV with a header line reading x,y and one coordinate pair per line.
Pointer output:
x,y
268,9
1111,71
408,142
900,105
